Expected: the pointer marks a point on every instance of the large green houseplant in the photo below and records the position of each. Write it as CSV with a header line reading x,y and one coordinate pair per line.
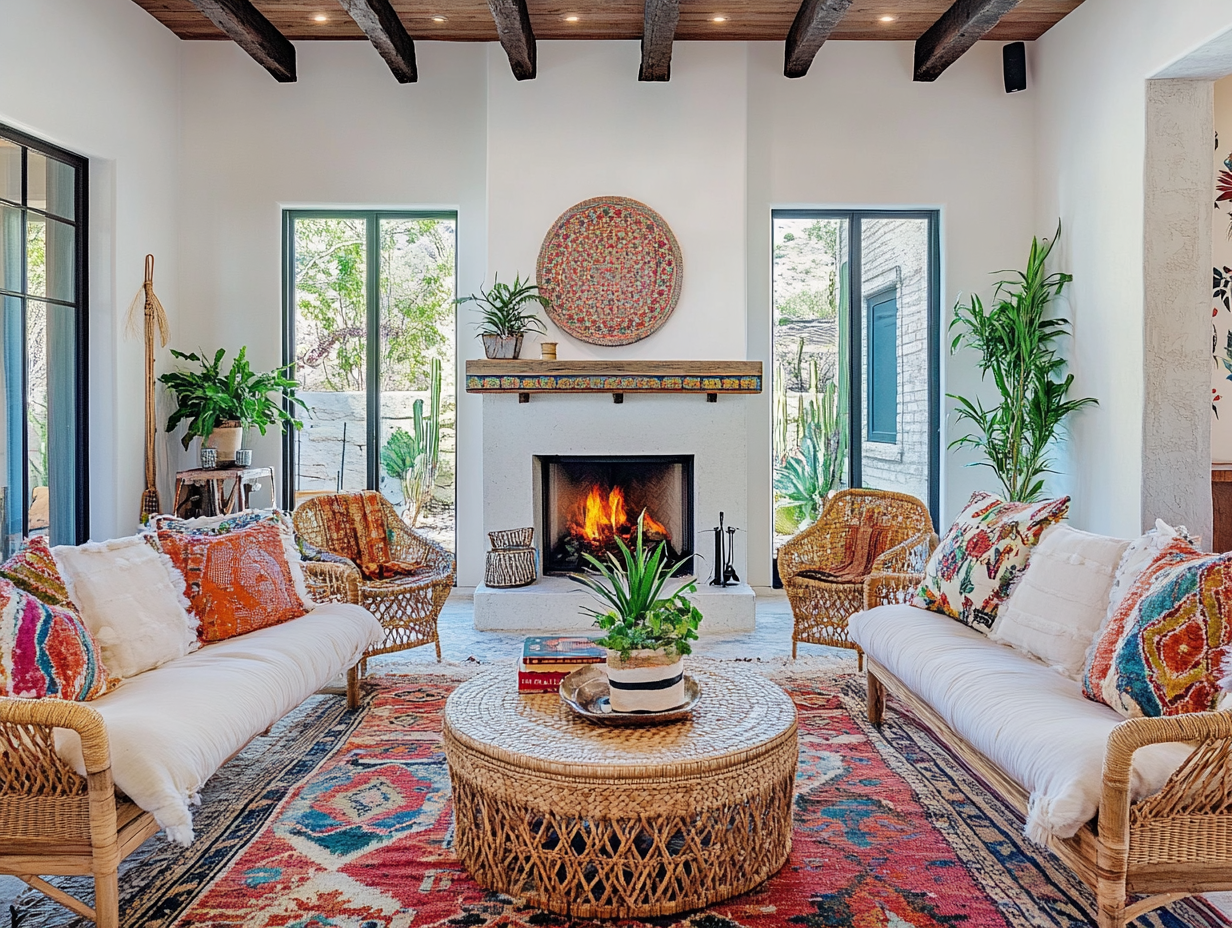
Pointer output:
x,y
218,406
413,458
506,314
647,634
1016,341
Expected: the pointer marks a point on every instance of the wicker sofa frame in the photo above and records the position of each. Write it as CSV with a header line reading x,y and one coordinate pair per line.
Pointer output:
x,y
1162,848
55,822
406,607
820,608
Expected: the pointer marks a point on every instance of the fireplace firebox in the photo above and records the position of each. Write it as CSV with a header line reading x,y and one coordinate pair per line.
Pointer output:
x,y
589,502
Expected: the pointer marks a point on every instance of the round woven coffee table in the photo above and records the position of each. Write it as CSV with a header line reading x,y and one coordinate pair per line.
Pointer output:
x,y
598,822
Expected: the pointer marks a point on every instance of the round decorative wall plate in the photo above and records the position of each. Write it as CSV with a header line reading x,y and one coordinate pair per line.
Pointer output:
x,y
612,270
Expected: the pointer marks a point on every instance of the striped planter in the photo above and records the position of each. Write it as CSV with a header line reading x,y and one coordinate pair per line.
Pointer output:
x,y
649,681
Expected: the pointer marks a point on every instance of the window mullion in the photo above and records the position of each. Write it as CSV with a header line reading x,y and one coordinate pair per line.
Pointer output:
x,y
373,354
855,379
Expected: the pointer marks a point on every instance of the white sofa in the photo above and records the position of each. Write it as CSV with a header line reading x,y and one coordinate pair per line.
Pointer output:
x,y
1138,806
83,785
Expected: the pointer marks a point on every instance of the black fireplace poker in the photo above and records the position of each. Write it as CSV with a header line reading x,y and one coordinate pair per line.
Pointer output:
x,y
724,554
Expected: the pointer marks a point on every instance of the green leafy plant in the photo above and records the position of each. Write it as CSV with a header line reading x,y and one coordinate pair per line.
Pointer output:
x,y
640,617
505,309
808,475
208,398
412,458
1017,347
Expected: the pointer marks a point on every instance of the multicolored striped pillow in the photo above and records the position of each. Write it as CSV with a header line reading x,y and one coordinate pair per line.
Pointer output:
x,y
46,651
34,570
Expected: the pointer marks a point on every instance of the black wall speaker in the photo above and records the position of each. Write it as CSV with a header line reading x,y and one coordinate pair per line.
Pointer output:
x,y
1014,63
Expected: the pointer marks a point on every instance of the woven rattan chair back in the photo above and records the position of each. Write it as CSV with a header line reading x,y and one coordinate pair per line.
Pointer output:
x,y
407,607
820,607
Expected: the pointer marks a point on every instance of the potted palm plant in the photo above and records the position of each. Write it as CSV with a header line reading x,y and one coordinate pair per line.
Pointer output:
x,y
218,407
647,633
506,314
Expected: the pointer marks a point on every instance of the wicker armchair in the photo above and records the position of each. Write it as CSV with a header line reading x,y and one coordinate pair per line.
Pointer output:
x,y
1135,856
407,607
821,607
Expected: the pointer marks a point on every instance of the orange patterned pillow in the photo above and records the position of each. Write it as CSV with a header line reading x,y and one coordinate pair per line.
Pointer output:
x,y
237,582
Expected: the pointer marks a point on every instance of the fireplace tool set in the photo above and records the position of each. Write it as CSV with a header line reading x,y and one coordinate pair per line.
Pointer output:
x,y
724,554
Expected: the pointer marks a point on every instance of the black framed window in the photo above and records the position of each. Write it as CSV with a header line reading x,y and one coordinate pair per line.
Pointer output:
x,y
856,357
883,368
43,338
369,327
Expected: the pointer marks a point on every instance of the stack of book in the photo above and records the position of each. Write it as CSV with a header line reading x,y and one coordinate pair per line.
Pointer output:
x,y
548,660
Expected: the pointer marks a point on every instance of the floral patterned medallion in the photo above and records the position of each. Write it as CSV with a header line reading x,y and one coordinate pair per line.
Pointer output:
x,y
611,267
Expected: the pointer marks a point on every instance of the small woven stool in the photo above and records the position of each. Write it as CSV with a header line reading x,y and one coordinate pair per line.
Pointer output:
x,y
513,561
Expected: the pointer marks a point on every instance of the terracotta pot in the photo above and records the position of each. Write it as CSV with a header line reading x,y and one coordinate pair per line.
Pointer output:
x,y
226,440
502,347
648,681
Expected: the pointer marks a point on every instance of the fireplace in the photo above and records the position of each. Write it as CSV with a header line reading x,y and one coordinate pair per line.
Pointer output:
x,y
590,501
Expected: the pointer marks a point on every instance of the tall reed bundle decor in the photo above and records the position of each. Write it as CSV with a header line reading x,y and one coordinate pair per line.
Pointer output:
x,y
153,317
1017,346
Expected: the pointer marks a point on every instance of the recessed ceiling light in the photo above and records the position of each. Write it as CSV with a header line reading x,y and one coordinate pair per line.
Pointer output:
x,y
438,18
718,19
886,19
319,18
572,18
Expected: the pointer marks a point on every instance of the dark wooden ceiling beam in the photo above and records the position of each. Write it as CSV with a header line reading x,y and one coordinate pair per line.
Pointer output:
x,y
658,32
959,27
387,34
513,30
813,24
253,33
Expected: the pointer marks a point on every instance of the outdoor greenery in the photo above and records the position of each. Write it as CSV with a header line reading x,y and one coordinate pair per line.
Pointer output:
x,y
416,299
505,310
1016,343
207,398
813,288
639,616
412,458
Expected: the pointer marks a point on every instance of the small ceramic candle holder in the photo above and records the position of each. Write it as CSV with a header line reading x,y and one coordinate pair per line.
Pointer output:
x,y
209,458
243,457
547,351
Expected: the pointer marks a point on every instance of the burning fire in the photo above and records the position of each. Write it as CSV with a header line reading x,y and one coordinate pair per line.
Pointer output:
x,y
605,517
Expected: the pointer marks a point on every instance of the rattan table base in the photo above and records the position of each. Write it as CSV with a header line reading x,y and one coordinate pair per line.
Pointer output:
x,y
598,822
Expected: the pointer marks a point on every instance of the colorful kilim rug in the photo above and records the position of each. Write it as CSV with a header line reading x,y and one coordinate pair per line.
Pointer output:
x,y
344,820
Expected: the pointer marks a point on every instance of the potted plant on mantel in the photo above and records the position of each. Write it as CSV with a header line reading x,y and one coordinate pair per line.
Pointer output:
x,y
506,315
218,406
648,634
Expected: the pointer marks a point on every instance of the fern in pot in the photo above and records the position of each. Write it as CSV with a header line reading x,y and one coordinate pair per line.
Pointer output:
x,y
647,634
507,313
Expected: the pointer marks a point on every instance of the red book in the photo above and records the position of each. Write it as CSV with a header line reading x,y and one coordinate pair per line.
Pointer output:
x,y
531,680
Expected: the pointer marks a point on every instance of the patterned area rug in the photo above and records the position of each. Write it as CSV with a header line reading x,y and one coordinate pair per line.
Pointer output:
x,y
344,820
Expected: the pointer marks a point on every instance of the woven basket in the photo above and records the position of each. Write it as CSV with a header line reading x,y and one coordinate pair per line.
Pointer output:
x,y
505,569
511,538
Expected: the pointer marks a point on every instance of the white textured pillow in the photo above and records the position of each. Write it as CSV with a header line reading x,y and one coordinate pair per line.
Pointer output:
x,y
1140,552
1059,605
132,600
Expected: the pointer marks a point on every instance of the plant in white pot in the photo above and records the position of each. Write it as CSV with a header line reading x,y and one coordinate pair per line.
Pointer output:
x,y
506,315
218,407
647,633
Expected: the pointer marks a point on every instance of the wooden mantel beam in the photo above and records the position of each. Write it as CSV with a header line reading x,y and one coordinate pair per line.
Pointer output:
x,y
253,33
959,27
813,24
518,39
380,23
658,32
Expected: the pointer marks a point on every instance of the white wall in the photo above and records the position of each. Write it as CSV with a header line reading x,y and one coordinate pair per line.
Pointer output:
x,y
345,135
1090,73
101,78
858,132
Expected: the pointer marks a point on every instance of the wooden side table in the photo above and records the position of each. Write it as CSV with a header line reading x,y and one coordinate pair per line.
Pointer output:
x,y
216,499
596,822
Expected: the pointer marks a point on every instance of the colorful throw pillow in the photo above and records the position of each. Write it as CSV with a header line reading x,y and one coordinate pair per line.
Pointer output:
x,y
238,581
34,570
1160,655
46,651
974,568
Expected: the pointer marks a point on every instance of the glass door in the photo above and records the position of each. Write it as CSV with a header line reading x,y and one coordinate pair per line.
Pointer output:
x,y
856,353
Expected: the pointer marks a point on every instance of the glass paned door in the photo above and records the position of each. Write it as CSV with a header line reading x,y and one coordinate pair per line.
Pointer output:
x,y
42,341
370,329
856,398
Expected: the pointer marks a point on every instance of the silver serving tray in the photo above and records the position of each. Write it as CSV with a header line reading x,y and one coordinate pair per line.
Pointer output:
x,y
585,691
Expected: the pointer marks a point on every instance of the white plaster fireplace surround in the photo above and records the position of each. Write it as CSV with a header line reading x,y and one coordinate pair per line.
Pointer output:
x,y
515,434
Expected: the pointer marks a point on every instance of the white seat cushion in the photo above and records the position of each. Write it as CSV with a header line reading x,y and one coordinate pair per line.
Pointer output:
x,y
172,727
1030,721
